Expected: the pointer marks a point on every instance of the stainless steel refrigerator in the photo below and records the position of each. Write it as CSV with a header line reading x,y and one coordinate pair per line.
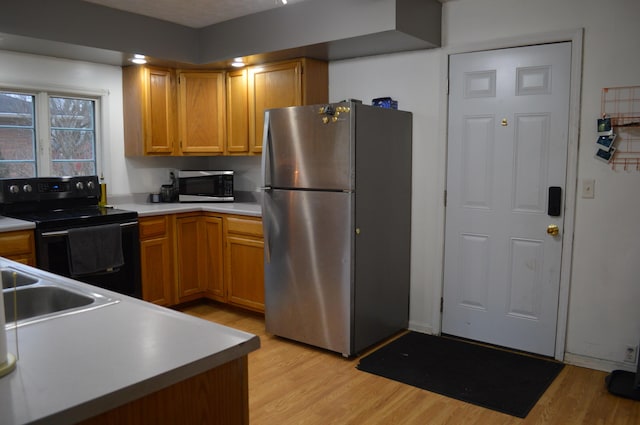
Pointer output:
x,y
337,224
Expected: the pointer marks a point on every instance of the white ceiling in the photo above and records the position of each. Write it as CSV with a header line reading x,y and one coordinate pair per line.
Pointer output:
x,y
193,13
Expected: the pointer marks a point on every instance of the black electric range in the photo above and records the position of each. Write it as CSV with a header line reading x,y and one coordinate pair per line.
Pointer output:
x,y
57,204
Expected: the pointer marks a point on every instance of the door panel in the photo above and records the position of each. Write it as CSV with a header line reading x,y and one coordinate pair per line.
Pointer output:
x,y
308,153
308,266
508,126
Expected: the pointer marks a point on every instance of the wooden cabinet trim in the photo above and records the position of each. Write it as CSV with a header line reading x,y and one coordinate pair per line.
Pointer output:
x,y
153,226
245,226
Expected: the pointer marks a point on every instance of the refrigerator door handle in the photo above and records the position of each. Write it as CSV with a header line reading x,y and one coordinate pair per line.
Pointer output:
x,y
266,160
265,227
266,185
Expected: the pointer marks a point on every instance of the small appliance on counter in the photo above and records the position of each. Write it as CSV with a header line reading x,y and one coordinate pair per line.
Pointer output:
x,y
167,193
205,186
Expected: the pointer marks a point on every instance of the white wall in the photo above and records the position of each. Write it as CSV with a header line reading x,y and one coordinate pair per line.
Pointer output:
x,y
604,306
413,80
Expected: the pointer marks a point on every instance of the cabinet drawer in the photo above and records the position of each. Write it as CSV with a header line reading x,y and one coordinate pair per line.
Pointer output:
x,y
19,242
244,226
153,227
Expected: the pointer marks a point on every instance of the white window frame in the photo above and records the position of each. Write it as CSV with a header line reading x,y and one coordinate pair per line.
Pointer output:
x,y
42,121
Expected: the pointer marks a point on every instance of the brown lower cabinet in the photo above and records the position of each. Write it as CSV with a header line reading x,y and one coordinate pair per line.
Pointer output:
x,y
202,255
244,262
18,246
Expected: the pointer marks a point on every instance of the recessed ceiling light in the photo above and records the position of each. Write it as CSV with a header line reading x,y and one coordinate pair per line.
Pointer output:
x,y
138,59
238,63
284,1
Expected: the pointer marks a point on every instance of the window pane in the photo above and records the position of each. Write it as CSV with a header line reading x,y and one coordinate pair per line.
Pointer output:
x,y
17,135
16,109
69,144
73,168
67,112
15,170
73,138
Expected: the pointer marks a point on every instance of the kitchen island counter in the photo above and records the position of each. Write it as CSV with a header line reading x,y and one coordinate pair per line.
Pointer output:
x,y
74,367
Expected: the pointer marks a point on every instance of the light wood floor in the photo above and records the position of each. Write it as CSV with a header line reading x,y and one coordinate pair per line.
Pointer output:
x,y
290,383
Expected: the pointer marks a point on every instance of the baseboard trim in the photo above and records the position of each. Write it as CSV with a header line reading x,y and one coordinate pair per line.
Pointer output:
x,y
597,364
421,327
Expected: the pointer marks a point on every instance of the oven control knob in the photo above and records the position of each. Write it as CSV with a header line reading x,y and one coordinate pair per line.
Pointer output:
x,y
27,188
79,185
90,185
14,188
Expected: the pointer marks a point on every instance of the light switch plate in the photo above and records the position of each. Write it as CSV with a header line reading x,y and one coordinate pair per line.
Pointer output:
x,y
588,188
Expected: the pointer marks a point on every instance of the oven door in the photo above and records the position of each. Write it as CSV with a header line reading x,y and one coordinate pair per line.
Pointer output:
x,y
52,254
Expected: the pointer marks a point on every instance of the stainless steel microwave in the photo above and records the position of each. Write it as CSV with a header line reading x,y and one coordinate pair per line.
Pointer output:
x,y
205,186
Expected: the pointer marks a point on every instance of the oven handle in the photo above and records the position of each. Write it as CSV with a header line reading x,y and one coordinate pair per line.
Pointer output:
x,y
66,232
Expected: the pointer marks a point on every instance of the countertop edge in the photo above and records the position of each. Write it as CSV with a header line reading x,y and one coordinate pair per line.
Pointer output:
x,y
251,209
156,383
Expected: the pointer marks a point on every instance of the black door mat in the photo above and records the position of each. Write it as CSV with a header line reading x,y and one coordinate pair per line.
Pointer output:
x,y
623,384
496,379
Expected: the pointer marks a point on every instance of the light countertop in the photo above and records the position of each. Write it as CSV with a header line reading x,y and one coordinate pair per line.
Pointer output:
x,y
8,224
150,209
77,366
146,209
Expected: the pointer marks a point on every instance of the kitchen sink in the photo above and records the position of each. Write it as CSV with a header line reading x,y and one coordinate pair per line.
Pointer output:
x,y
36,298
21,279
41,300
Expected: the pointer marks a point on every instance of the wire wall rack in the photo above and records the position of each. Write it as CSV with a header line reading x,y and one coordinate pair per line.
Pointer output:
x,y
622,105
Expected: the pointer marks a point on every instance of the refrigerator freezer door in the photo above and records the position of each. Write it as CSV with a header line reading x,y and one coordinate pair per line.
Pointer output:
x,y
308,277
309,149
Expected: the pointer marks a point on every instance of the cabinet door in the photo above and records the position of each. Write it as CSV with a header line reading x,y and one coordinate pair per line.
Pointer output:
x,y
213,264
156,260
271,86
18,246
160,113
149,106
190,256
201,115
245,277
237,112
244,263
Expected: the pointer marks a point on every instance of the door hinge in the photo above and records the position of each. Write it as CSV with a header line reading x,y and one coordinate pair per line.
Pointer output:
x,y
441,304
445,198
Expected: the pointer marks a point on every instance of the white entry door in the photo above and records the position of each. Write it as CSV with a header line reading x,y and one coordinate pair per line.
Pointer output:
x,y
507,145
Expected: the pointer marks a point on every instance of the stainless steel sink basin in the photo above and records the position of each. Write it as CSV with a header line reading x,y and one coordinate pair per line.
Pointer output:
x,y
38,298
41,300
11,277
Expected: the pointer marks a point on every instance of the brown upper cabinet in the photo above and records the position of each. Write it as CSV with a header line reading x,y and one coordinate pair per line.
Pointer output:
x,y
149,106
291,83
201,112
237,112
213,112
